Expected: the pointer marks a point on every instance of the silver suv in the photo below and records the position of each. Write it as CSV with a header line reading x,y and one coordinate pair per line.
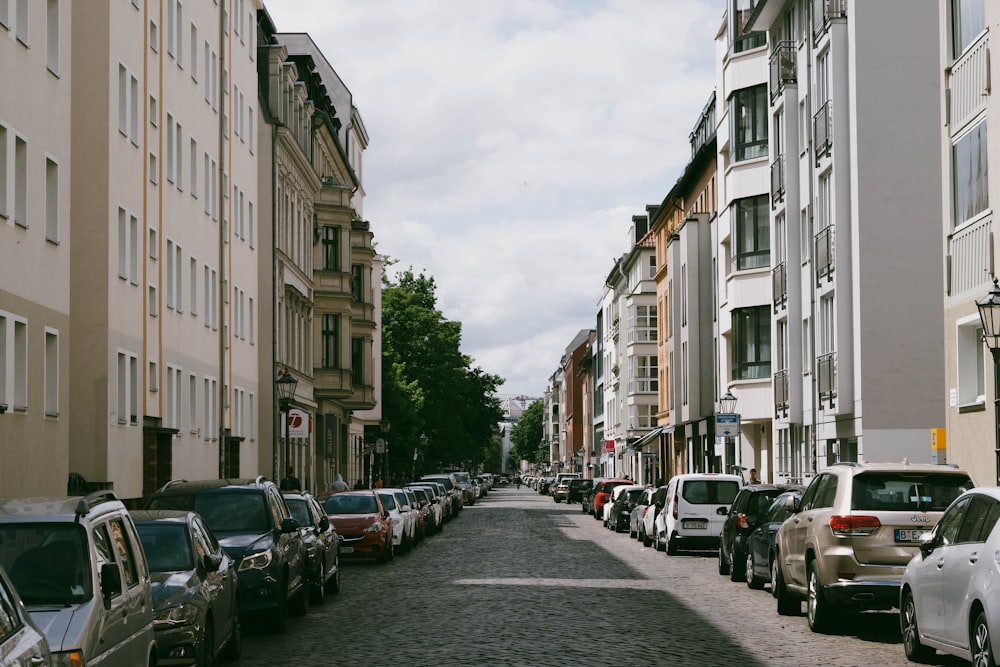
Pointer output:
x,y
79,567
857,526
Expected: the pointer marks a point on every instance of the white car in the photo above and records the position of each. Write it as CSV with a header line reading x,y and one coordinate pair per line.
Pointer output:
x,y
403,521
694,511
648,528
615,494
948,599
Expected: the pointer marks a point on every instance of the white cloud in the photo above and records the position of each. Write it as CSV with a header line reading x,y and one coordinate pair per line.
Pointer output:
x,y
511,143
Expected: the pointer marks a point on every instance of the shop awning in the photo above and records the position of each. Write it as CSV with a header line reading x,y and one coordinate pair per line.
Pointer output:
x,y
652,436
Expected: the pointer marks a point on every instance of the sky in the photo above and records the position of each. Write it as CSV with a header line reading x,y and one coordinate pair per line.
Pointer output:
x,y
511,142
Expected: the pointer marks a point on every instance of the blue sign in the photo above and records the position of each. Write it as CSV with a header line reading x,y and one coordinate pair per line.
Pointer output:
x,y
727,424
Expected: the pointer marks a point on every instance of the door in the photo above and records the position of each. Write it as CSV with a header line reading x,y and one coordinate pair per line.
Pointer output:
x,y
962,563
794,532
927,572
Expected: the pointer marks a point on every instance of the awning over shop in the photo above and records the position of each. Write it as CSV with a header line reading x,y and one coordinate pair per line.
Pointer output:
x,y
652,436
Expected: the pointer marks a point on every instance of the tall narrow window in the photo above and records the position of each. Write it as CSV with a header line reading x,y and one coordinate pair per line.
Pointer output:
x,y
4,170
194,168
250,228
52,36
51,201
194,52
21,18
20,181
192,403
330,341
194,286
20,364
970,182
968,22
751,233
4,370
357,361
250,322
751,343
357,279
331,248
749,123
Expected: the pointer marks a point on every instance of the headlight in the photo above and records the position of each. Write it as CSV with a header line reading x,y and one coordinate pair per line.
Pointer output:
x,y
373,528
257,561
174,616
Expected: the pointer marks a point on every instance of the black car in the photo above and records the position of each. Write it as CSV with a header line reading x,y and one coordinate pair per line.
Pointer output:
x,y
588,496
322,545
621,510
577,489
256,529
745,514
196,612
760,549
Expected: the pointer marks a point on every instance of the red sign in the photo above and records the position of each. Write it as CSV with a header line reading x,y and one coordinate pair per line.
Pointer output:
x,y
609,447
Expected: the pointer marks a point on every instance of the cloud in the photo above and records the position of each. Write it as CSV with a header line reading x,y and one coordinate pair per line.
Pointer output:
x,y
511,143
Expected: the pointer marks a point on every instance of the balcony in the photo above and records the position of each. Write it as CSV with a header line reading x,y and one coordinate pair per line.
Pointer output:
x,y
783,69
823,130
779,286
824,254
778,180
823,13
826,367
781,394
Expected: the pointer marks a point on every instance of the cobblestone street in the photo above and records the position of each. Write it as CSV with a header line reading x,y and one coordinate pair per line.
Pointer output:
x,y
520,580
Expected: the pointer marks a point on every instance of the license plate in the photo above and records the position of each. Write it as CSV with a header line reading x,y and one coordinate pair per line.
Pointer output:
x,y
346,550
908,535
694,523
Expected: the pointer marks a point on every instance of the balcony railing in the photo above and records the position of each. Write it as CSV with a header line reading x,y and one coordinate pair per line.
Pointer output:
x,y
824,254
779,285
778,180
781,393
823,130
826,367
783,69
824,11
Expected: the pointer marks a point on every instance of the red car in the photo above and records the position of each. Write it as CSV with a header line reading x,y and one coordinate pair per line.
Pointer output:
x,y
362,523
602,494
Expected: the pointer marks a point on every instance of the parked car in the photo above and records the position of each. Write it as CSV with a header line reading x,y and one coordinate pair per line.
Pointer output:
x,y
948,598
543,485
639,511
857,526
427,494
464,482
695,508
427,525
648,526
362,523
587,501
760,543
322,545
78,566
620,508
196,605
602,494
403,522
255,528
22,643
577,488
451,485
561,491
747,512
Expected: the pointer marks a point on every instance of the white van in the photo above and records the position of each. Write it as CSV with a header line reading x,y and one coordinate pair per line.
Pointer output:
x,y
695,508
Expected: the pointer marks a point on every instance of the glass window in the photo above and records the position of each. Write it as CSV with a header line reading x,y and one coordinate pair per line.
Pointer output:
x,y
975,519
751,233
126,555
330,342
947,528
749,120
969,169
906,492
968,22
10,619
331,249
739,38
751,343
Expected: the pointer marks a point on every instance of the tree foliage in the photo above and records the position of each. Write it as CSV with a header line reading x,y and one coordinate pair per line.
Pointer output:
x,y
429,387
526,435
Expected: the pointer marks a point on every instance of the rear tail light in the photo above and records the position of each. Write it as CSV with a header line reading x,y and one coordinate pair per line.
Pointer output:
x,y
675,512
741,522
854,525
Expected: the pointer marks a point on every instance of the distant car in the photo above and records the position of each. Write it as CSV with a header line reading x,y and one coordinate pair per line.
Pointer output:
x,y
403,522
759,568
22,643
620,510
196,606
561,491
747,512
648,526
948,598
639,510
322,545
695,510
602,494
362,523
587,501
577,489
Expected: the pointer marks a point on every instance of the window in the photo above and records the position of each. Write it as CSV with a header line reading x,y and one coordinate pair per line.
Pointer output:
x,y
51,200
751,233
644,330
4,362
250,224
194,53
171,157
239,411
357,277
751,343
192,403
128,387
748,118
20,181
828,325
154,304
194,287
5,13
194,168
172,401
52,36
739,38
128,246
211,298
331,249
642,374
20,366
125,548
21,18
968,18
210,409
357,361
969,169
330,334
971,366
4,168
250,319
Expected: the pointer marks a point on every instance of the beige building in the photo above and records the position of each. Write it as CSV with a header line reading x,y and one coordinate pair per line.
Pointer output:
x,y
164,363
35,241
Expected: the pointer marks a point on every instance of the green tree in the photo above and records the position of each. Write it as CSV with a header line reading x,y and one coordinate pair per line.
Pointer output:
x,y
435,389
526,435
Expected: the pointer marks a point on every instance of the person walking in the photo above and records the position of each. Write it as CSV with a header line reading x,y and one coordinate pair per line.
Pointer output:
x,y
338,484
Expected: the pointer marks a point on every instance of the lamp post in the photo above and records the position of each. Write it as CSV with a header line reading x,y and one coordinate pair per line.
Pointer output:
x,y
286,392
730,424
384,425
989,313
423,445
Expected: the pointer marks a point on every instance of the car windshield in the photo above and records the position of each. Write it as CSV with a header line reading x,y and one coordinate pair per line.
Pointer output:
x,y
232,511
420,495
635,495
446,481
300,510
401,498
388,501
902,491
342,503
48,562
710,491
167,546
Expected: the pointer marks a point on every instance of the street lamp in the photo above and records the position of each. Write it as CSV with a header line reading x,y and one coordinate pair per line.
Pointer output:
x,y
286,392
384,425
989,313
423,445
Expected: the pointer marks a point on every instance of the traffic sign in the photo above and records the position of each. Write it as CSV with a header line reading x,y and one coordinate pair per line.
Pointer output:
x,y
727,424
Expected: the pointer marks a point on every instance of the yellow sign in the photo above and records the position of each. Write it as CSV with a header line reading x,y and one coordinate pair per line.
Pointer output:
x,y
938,439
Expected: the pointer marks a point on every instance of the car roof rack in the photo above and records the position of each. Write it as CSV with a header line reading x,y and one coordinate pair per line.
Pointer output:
x,y
849,464
84,505
260,479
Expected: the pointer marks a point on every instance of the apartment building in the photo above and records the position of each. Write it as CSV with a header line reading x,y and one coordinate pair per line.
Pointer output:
x,y
553,420
36,43
968,230
853,200
575,418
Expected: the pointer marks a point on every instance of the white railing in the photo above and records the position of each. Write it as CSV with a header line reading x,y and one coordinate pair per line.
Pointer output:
x,y
969,248
969,84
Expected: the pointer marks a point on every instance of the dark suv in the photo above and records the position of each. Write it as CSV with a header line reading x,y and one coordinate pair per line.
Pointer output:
x,y
747,512
255,528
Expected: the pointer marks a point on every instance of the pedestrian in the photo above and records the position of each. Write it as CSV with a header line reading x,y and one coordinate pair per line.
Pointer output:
x,y
290,482
754,479
338,484
360,484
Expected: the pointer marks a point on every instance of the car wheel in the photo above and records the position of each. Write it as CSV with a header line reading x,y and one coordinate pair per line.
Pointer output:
x,y
234,647
317,591
723,565
206,653
333,583
788,604
671,546
753,581
982,651
915,651
632,534
646,541
737,566
279,616
818,608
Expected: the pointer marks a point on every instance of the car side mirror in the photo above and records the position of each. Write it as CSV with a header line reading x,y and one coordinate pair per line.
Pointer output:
x,y
927,545
111,582
324,523
289,525
385,514
212,562
722,511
